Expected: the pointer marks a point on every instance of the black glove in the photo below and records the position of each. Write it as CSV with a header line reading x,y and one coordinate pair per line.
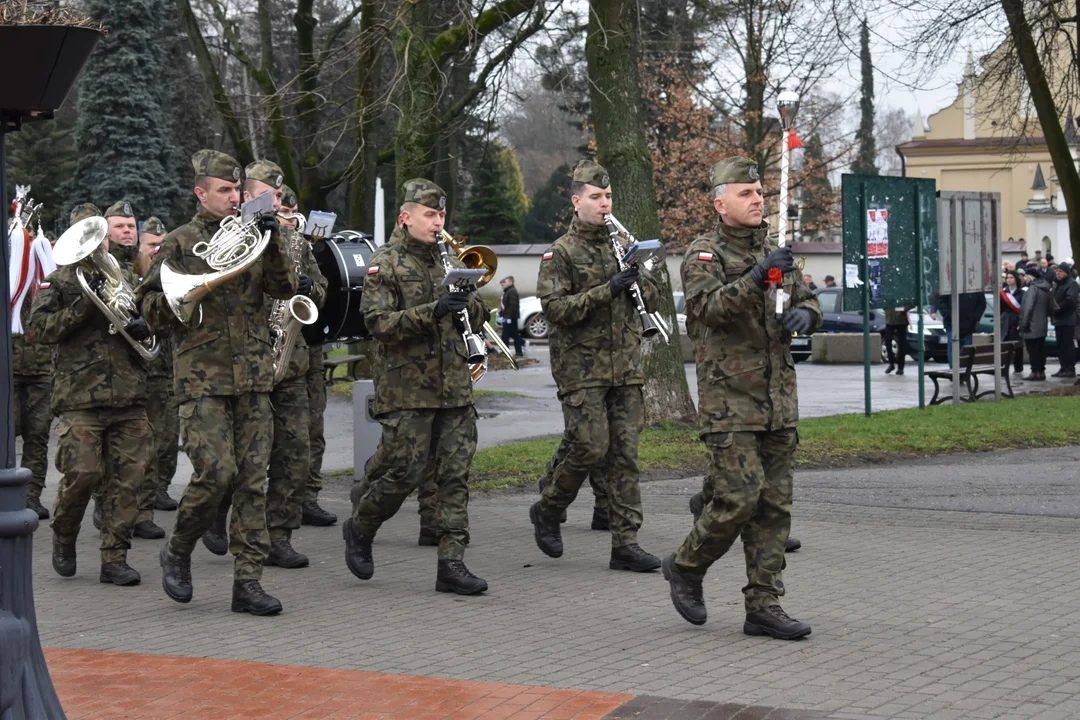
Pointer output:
x,y
268,222
138,329
450,302
622,281
304,285
781,259
798,320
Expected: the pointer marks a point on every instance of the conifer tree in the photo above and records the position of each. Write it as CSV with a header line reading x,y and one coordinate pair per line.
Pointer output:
x,y
495,211
42,156
864,163
550,209
124,149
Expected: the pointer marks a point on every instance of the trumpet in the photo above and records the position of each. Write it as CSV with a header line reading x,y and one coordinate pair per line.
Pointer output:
x,y
234,248
475,258
101,280
651,323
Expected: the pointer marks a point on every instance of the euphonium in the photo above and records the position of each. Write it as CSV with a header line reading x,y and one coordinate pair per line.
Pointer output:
x,y
287,316
235,247
101,280
476,257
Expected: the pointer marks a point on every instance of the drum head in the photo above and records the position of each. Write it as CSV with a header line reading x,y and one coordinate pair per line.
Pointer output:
x,y
343,259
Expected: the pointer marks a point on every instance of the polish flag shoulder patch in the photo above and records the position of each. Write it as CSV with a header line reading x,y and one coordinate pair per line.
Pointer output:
x,y
548,255
373,270
705,256
44,286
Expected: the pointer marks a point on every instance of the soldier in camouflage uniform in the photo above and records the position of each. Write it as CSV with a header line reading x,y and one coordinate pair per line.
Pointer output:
x,y
423,391
747,398
600,498
161,405
99,394
223,375
596,362
310,511
427,494
31,367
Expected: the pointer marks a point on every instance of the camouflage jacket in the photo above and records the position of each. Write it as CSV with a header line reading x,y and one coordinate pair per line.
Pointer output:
x,y
420,362
746,375
299,360
596,338
92,368
229,352
29,357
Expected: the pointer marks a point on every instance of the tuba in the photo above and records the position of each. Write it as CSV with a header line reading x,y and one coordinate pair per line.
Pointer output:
x,y
101,280
288,316
235,247
479,257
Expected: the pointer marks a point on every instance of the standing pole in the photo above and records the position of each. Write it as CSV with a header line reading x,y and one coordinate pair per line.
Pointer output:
x,y
865,297
956,227
920,279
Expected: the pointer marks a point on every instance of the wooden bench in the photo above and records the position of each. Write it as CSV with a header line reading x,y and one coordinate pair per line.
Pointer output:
x,y
349,361
975,360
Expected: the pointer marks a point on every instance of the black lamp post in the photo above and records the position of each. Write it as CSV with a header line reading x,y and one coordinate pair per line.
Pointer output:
x,y
43,62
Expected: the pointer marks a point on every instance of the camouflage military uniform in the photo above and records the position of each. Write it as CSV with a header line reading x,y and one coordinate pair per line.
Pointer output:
x,y
423,392
31,367
597,342
99,394
748,404
223,375
316,387
290,457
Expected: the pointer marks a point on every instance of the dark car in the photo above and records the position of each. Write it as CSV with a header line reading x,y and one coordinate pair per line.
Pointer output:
x,y
835,320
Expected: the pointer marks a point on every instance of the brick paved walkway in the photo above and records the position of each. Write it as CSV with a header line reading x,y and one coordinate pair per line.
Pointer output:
x,y
918,612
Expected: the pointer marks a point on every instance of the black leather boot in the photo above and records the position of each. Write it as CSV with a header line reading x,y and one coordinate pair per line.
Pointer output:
x,y
248,596
793,544
148,530
312,514
357,551
454,577
216,538
163,502
283,555
600,519
175,574
633,558
428,537
63,558
547,532
685,592
34,503
775,622
119,573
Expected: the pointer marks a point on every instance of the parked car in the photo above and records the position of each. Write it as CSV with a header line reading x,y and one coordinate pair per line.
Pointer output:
x,y
800,344
532,322
835,320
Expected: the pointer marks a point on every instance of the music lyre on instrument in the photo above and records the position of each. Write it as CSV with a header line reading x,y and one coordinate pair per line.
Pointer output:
x,y
83,245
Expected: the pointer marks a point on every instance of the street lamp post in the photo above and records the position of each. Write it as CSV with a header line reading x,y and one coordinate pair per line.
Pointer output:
x,y
788,105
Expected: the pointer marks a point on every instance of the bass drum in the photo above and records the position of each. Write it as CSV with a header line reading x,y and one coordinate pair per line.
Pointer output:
x,y
343,259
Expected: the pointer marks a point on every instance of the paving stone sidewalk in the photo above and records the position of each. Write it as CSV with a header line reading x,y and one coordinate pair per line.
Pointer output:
x,y
920,606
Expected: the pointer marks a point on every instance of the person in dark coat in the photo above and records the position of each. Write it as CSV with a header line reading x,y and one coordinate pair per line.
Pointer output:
x,y
972,307
1064,317
511,315
1011,295
1034,312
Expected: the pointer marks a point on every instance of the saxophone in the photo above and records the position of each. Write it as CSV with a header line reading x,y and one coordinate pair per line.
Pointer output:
x,y
287,316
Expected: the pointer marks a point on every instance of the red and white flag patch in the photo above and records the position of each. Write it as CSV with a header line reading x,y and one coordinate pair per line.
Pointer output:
x,y
548,255
705,256
373,270
44,286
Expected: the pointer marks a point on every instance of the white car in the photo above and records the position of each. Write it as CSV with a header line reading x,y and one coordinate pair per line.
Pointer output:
x,y
532,322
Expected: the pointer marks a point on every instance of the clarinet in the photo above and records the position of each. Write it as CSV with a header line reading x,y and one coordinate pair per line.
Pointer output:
x,y
650,325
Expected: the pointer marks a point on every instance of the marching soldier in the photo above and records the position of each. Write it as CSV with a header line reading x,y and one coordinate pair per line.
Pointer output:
x,y
596,362
311,512
748,401
290,457
223,375
423,391
600,497
99,394
161,405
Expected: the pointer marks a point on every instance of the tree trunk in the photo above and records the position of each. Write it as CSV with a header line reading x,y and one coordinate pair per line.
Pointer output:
x,y
368,72
1043,100
612,50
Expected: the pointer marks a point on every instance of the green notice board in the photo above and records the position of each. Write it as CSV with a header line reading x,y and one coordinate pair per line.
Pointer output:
x,y
885,220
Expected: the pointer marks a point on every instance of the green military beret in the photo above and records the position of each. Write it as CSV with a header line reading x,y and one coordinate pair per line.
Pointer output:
x,y
212,163
734,170
154,226
426,193
120,209
265,172
288,197
81,212
590,173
